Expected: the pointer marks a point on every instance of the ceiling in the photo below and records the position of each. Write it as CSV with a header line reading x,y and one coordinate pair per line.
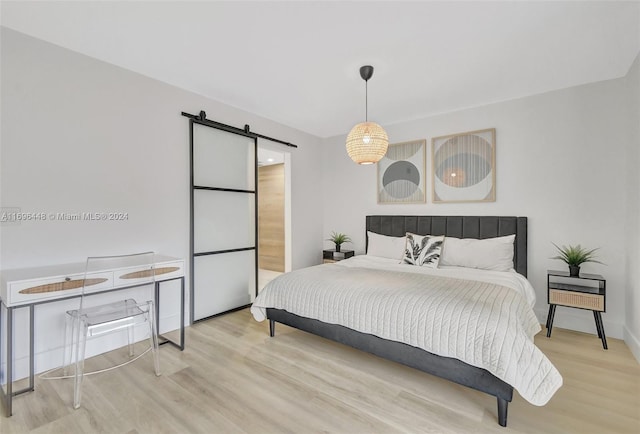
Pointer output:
x,y
297,62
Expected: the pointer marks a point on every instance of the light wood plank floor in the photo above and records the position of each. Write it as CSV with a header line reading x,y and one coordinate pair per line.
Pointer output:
x,y
233,378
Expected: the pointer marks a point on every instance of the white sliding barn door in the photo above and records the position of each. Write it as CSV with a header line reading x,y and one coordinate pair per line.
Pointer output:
x,y
223,219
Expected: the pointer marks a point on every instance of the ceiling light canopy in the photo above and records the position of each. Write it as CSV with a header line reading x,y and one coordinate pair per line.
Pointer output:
x,y
367,142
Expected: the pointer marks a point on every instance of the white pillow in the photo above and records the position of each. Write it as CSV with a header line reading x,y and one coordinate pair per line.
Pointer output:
x,y
385,246
423,250
489,254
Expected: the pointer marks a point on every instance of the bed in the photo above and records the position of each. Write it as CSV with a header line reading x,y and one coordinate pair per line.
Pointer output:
x,y
378,333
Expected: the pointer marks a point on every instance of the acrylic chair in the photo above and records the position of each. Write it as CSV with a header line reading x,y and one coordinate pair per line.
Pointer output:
x,y
89,321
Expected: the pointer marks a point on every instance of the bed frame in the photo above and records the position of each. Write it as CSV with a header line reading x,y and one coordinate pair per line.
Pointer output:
x,y
445,367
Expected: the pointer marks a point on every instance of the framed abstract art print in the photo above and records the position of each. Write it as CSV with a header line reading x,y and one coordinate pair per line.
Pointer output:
x,y
401,173
464,167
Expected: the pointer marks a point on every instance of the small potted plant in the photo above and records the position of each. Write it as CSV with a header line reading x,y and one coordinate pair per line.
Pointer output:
x,y
338,239
574,256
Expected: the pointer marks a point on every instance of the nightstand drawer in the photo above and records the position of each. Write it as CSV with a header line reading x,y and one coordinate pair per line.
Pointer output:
x,y
576,299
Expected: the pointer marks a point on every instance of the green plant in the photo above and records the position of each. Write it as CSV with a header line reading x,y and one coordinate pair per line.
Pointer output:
x,y
575,255
339,238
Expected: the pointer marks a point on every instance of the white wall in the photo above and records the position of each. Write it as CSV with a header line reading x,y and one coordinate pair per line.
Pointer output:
x,y
82,135
632,328
560,162
79,135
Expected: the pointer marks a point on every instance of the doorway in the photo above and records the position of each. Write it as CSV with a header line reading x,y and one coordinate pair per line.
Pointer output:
x,y
273,213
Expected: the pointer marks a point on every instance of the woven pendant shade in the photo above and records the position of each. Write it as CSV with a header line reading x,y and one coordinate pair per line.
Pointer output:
x,y
367,143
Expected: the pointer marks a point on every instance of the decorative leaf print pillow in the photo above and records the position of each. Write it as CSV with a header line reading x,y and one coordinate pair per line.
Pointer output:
x,y
423,250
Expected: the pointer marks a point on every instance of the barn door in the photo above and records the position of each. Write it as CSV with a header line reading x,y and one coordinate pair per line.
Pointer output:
x,y
223,219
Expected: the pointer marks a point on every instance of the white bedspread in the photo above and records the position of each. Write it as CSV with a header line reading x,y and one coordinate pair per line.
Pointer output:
x,y
484,318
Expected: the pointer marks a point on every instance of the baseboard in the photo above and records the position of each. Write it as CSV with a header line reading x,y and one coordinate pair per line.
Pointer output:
x,y
581,320
632,342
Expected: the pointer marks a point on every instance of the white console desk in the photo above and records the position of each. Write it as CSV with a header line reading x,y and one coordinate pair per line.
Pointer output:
x,y
28,287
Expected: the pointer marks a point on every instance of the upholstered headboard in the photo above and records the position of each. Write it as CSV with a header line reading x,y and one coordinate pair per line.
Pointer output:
x,y
479,227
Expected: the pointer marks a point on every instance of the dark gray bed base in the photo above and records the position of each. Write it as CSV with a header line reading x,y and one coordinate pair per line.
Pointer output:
x,y
444,367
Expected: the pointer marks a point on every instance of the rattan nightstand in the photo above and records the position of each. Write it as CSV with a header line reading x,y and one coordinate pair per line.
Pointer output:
x,y
586,291
329,256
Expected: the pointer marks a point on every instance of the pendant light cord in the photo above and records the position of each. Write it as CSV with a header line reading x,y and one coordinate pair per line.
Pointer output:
x,y
366,101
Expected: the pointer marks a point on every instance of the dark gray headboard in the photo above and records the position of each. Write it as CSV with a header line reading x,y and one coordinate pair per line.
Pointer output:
x,y
457,226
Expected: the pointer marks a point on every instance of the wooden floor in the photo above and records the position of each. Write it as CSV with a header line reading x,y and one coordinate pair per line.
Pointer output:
x,y
234,378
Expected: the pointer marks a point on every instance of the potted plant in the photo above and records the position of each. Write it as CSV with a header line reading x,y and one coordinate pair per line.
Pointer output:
x,y
338,239
574,256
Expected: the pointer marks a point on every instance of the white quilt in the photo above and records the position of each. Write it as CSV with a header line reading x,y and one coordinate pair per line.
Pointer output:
x,y
483,318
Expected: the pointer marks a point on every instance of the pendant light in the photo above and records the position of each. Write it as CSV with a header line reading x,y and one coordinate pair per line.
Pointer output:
x,y
367,142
